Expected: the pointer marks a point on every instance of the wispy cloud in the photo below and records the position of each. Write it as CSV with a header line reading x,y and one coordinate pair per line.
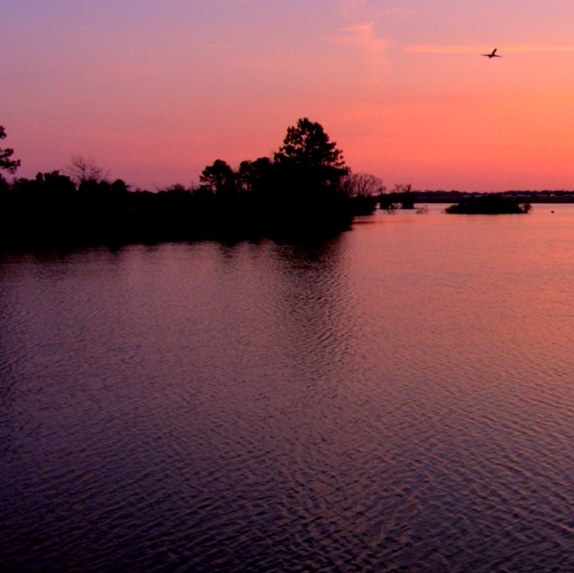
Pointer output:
x,y
474,49
363,37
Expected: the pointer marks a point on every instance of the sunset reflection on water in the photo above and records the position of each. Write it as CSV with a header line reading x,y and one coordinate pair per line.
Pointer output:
x,y
396,397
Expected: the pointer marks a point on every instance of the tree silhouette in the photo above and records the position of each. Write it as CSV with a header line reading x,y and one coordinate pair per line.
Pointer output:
x,y
255,176
403,194
363,191
219,178
308,156
307,144
85,170
300,191
362,185
6,163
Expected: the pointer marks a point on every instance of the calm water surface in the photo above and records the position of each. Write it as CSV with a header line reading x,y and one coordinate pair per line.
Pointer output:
x,y
398,399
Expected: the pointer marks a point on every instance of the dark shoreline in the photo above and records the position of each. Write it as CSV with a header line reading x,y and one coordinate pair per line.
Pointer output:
x,y
520,196
40,223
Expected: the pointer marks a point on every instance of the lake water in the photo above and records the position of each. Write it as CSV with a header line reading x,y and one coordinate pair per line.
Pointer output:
x,y
397,399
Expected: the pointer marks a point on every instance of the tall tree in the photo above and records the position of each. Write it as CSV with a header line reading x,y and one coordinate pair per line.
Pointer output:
x,y
219,178
255,176
309,150
6,161
307,170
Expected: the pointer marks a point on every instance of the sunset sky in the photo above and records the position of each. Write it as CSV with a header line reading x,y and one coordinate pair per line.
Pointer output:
x,y
155,90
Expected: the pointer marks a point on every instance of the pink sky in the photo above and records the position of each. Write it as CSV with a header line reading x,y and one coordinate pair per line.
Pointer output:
x,y
154,91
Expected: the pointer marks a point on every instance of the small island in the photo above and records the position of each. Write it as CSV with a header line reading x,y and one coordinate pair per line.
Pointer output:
x,y
489,204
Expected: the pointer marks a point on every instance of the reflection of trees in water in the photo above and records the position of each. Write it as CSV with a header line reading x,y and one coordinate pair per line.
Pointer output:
x,y
315,296
291,299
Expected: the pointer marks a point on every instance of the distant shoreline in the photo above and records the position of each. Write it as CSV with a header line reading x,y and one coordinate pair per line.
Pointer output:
x,y
522,196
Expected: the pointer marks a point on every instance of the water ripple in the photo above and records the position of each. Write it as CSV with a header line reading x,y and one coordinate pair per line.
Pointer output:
x,y
291,408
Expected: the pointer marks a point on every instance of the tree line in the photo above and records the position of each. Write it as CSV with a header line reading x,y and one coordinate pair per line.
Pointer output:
x,y
304,188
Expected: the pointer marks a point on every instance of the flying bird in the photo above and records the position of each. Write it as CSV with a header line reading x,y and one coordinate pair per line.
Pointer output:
x,y
492,54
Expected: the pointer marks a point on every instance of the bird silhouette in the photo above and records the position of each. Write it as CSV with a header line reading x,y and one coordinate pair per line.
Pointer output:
x,y
492,54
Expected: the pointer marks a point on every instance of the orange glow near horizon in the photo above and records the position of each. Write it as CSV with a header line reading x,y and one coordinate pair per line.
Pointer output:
x,y
154,94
